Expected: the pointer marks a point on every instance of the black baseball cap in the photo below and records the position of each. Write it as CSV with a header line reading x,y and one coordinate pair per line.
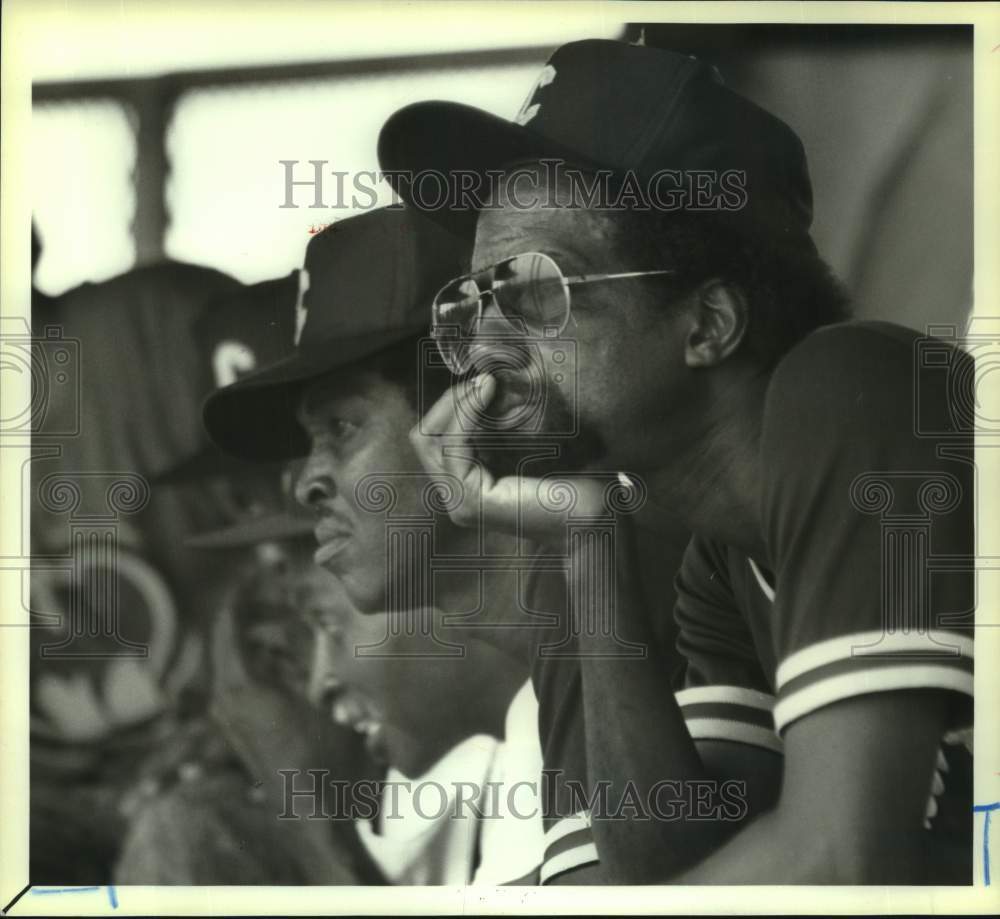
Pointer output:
x,y
233,336
601,104
367,284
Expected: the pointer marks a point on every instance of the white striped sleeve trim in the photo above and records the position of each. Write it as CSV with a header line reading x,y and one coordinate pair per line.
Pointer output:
x,y
865,681
874,644
734,713
568,860
735,731
567,825
574,842
737,695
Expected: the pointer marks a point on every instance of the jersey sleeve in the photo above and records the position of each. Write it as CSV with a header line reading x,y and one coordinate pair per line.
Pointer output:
x,y
867,514
725,695
568,842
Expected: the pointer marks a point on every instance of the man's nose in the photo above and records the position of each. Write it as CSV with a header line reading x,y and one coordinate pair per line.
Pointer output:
x,y
494,322
313,485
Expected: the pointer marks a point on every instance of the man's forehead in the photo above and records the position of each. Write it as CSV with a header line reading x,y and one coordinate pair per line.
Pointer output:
x,y
530,219
581,235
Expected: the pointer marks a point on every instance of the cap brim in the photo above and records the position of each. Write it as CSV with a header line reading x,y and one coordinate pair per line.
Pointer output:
x,y
448,137
255,418
251,532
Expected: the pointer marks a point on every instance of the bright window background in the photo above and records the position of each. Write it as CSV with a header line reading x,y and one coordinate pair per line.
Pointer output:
x,y
224,182
83,154
226,185
81,39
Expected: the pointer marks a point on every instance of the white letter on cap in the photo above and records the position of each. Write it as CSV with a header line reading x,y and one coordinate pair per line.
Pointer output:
x,y
230,359
300,305
529,110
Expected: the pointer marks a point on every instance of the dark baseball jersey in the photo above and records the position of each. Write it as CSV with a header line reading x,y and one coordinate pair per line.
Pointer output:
x,y
568,788
867,585
568,843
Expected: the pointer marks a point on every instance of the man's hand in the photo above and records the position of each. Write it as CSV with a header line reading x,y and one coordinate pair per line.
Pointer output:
x,y
524,506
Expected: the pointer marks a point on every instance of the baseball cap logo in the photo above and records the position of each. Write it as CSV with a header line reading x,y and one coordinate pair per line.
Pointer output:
x,y
300,305
530,109
230,360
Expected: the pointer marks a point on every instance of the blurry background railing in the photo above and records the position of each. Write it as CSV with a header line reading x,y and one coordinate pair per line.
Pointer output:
x,y
186,165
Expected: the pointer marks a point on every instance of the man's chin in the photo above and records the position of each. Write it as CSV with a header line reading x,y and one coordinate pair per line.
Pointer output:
x,y
367,595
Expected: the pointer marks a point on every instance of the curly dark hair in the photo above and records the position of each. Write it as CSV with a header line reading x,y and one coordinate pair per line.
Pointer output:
x,y
789,289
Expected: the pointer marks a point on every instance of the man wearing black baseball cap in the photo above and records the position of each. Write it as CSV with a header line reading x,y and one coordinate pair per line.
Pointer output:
x,y
235,335
345,401
822,683
214,789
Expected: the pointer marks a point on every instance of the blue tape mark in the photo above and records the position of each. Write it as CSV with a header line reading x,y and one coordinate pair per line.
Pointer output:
x,y
986,809
112,892
63,889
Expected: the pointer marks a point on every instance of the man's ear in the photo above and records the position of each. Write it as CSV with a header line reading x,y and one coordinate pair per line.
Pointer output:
x,y
719,319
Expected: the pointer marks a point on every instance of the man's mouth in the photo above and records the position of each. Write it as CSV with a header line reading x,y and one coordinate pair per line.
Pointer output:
x,y
370,728
332,538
